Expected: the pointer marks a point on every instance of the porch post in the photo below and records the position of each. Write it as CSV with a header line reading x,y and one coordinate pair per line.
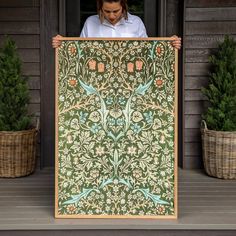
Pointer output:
x,y
162,18
150,17
62,17
48,28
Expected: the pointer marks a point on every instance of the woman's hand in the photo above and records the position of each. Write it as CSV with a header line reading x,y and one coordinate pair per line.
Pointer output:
x,y
56,41
176,43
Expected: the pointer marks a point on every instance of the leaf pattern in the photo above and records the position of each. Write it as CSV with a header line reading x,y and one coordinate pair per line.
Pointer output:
x,y
116,128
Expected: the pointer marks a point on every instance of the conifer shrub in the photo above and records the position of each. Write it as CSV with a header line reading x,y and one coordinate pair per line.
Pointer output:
x,y
14,93
221,90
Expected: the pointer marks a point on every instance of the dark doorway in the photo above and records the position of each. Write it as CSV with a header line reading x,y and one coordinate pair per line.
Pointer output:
x,y
76,12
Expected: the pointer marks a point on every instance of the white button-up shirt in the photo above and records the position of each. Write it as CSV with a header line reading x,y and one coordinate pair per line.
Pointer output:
x,y
132,27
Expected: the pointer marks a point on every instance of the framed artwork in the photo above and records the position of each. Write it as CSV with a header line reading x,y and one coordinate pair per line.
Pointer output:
x,y
116,128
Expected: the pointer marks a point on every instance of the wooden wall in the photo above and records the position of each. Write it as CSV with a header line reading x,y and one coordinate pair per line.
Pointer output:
x,y
20,19
205,24
32,23
173,17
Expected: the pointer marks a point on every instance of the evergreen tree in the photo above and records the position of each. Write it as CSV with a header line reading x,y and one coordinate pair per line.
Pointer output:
x,y
221,91
14,93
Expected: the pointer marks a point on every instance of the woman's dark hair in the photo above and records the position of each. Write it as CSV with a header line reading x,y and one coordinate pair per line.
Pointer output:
x,y
123,4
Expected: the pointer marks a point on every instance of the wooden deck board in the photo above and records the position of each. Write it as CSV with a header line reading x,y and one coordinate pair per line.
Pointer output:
x,y
205,203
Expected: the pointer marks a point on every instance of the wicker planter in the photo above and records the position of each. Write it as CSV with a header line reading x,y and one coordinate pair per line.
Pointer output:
x,y
219,152
17,153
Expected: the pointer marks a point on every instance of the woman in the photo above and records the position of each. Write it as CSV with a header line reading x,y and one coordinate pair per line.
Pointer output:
x,y
113,20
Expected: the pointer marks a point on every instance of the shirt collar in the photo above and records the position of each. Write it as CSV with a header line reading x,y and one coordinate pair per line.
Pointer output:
x,y
122,21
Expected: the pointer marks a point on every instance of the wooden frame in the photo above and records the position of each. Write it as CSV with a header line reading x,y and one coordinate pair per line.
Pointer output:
x,y
74,205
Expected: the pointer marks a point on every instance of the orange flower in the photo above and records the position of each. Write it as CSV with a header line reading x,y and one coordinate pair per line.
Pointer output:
x,y
92,64
72,50
159,50
139,65
159,83
71,209
161,209
72,82
130,67
101,67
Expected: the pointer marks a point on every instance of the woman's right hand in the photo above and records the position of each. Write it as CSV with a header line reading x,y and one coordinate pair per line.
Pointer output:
x,y
56,41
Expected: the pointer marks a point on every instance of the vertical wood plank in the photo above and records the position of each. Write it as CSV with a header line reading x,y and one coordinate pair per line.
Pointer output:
x,y
21,3
49,28
205,24
20,20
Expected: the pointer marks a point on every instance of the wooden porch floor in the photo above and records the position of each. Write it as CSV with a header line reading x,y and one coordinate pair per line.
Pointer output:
x,y
205,203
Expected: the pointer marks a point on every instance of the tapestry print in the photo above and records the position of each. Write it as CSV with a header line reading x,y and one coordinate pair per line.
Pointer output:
x,y
116,129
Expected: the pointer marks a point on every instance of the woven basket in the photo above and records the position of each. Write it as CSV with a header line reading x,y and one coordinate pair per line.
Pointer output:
x,y
219,152
17,153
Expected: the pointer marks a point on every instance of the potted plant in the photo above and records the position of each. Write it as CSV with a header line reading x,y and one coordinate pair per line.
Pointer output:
x,y
17,138
219,120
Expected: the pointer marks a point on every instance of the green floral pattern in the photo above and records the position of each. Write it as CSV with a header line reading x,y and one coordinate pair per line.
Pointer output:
x,y
116,128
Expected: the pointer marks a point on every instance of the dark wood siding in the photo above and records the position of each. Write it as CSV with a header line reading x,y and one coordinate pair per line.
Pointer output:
x,y
174,17
32,23
205,24
20,20
48,28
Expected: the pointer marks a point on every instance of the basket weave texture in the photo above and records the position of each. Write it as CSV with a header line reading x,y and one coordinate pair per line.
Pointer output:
x,y
219,152
17,153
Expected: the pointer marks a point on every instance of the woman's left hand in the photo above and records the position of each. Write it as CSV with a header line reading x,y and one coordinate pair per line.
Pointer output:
x,y
176,43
